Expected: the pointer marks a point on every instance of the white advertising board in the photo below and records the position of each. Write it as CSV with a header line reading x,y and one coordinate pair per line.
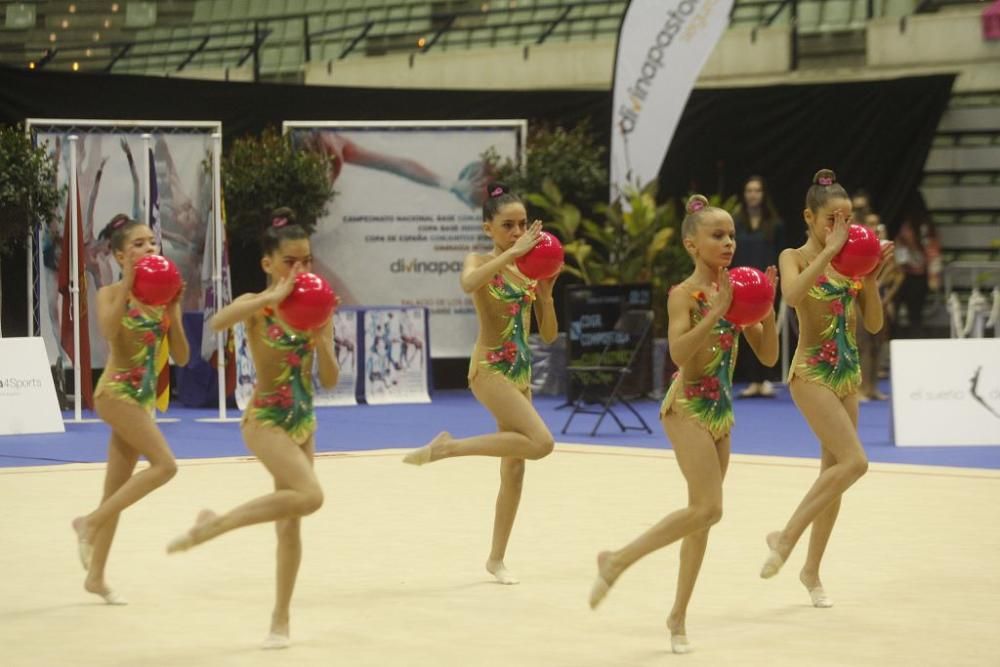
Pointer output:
x,y
946,392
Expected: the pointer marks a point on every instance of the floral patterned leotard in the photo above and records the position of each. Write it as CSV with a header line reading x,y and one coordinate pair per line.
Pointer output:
x,y
130,373
703,388
283,395
503,308
827,352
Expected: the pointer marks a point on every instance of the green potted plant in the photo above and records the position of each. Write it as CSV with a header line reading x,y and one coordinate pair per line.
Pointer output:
x,y
571,159
262,173
29,196
636,241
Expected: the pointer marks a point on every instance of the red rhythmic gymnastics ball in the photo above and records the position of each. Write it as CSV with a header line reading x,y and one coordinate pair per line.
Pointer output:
x,y
157,280
542,261
310,303
753,296
860,254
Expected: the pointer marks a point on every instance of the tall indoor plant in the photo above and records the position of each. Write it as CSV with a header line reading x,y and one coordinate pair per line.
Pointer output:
x,y
262,173
29,196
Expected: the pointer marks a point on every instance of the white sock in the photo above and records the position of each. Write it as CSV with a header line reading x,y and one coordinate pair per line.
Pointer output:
x,y
419,457
774,560
819,598
84,549
679,644
112,598
276,641
500,571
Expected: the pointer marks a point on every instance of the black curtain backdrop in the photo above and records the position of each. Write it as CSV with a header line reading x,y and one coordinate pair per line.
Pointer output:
x,y
875,134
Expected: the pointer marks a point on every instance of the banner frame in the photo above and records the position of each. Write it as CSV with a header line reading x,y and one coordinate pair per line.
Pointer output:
x,y
71,125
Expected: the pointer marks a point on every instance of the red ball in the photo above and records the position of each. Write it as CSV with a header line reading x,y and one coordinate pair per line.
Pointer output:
x,y
753,296
310,303
860,254
157,280
542,261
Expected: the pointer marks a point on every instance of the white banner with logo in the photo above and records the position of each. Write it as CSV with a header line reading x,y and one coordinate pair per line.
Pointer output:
x,y
28,402
408,209
946,392
662,46
396,356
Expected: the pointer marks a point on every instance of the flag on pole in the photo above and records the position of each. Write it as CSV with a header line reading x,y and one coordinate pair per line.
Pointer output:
x,y
66,321
163,351
230,362
662,47
208,337
154,203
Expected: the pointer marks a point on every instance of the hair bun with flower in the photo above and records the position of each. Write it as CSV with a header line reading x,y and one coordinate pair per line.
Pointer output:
x,y
496,189
117,222
825,177
696,203
279,221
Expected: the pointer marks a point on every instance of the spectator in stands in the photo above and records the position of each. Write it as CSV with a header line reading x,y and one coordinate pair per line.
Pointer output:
x,y
870,345
759,238
861,202
918,254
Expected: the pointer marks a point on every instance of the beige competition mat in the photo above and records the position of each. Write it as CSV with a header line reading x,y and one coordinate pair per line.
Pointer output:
x,y
393,568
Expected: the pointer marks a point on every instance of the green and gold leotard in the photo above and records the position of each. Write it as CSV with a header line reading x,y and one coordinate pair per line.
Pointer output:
x,y
827,352
503,307
283,395
703,388
130,372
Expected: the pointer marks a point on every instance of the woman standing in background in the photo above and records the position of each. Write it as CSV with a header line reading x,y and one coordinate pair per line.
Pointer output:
x,y
759,238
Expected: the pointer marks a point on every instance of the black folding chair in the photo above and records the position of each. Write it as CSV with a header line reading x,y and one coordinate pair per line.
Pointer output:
x,y
637,325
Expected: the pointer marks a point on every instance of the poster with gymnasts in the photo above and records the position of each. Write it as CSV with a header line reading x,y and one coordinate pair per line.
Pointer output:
x,y
407,210
111,161
246,374
395,356
345,347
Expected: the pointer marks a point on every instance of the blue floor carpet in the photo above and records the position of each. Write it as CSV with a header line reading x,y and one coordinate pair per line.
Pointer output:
x,y
763,426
